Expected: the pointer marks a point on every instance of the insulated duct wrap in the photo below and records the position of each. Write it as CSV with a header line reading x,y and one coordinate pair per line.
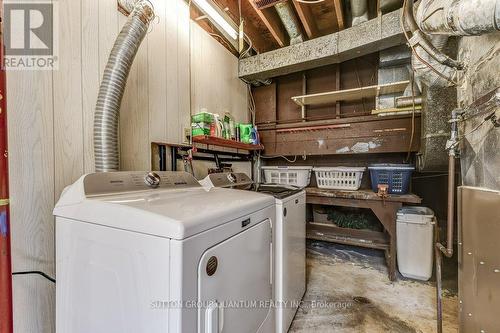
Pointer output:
x,y
459,17
424,73
289,20
359,10
107,112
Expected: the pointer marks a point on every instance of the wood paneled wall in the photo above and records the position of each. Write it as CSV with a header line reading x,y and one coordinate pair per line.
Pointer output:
x,y
212,80
51,123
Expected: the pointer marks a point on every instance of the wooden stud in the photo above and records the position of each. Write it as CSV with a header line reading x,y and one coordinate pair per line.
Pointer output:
x,y
307,19
340,14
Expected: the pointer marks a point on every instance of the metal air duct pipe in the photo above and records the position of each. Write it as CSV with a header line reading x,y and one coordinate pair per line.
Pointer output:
x,y
459,17
427,74
359,11
107,112
290,22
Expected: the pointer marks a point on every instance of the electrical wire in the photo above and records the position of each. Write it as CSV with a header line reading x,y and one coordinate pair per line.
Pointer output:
x,y
281,156
222,39
251,103
36,273
250,46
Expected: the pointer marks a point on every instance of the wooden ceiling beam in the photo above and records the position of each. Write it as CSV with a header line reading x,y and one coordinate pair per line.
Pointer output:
x,y
271,20
339,11
259,43
307,19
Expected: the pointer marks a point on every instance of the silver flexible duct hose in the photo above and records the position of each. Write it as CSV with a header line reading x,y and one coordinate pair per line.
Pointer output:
x,y
107,112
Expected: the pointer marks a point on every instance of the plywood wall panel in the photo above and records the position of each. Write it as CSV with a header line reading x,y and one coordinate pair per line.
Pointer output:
x,y
31,164
91,77
172,121
51,124
67,84
157,73
183,67
227,92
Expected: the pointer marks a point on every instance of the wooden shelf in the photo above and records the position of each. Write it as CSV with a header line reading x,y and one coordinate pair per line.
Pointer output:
x,y
363,238
314,195
220,142
350,94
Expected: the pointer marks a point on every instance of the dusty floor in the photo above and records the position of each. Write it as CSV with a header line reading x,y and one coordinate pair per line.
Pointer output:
x,y
348,291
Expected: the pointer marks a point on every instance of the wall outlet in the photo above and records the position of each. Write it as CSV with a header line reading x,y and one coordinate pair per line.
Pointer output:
x,y
187,135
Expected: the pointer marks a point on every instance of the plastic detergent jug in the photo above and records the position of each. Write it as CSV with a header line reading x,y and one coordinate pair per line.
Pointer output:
x,y
246,132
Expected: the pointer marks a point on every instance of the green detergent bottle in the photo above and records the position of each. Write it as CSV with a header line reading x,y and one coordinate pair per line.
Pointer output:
x,y
246,133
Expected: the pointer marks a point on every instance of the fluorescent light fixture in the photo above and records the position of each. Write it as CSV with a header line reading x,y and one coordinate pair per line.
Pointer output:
x,y
214,15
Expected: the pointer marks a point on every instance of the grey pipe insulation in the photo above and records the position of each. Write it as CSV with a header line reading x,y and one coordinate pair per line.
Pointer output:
x,y
459,18
359,11
432,24
289,20
107,111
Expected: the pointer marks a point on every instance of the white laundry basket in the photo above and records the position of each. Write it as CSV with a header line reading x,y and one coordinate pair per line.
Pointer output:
x,y
288,175
339,178
415,226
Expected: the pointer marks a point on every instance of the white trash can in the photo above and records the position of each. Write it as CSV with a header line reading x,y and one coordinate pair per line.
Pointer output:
x,y
415,230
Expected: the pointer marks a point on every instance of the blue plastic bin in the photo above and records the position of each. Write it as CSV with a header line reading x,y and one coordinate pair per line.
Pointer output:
x,y
397,176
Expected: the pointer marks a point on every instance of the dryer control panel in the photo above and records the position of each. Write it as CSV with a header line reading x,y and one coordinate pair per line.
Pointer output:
x,y
230,179
106,183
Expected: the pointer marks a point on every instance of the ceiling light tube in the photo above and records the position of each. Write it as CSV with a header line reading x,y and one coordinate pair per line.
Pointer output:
x,y
209,10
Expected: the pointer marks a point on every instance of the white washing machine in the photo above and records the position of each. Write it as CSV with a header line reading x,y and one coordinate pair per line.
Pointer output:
x,y
139,252
289,239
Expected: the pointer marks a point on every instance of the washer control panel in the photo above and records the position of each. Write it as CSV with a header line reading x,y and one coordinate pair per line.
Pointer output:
x,y
105,183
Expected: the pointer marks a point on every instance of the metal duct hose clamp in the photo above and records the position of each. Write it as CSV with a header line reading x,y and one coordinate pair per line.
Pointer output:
x,y
107,112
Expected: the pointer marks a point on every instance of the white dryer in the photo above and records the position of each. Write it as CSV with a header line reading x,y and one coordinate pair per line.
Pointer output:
x,y
145,252
289,240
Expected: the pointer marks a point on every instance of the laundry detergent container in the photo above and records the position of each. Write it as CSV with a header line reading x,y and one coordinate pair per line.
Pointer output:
x,y
415,226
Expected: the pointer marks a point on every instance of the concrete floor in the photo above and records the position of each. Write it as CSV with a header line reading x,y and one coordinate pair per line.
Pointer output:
x,y
348,291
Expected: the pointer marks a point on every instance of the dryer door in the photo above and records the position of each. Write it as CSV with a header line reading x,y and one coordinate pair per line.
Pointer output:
x,y
235,283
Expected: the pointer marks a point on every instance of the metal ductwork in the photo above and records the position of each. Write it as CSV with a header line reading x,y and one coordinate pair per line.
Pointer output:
x,y
427,75
290,22
459,17
390,5
434,21
359,11
107,112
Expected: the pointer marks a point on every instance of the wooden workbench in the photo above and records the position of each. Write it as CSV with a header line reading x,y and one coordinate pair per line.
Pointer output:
x,y
385,210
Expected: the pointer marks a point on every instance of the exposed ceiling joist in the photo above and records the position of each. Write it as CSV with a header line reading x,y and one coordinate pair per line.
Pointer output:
x,y
259,43
273,23
306,18
340,14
